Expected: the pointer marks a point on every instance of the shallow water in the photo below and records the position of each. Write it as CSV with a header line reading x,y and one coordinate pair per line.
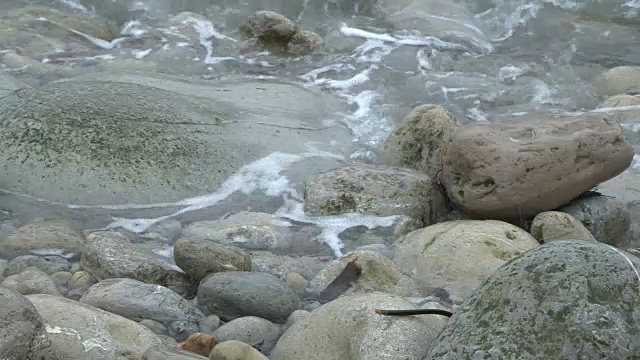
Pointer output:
x,y
504,57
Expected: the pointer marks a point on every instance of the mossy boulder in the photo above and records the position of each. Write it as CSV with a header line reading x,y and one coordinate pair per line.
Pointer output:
x,y
131,138
562,300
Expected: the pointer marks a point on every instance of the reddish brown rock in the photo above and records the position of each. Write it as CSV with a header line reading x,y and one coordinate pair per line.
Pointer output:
x,y
533,164
198,343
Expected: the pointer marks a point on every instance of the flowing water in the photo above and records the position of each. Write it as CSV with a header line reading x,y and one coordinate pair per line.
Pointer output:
x,y
481,59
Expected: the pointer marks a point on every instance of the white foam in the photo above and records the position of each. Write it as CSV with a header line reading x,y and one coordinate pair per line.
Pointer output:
x,y
510,73
75,5
206,31
140,54
332,226
635,163
409,40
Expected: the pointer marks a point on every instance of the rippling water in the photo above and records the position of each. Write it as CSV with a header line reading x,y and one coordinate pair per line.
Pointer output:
x,y
479,58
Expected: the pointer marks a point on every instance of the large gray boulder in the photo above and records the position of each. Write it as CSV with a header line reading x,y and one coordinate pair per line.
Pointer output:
x,y
562,300
22,334
134,138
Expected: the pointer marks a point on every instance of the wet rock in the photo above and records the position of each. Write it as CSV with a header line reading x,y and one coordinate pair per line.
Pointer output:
x,y
199,343
31,281
206,122
81,279
61,280
532,164
137,300
281,265
606,217
48,264
180,330
260,333
109,254
198,258
42,234
564,299
166,231
629,119
81,331
295,316
209,324
165,352
233,294
381,249
378,274
157,327
304,42
59,22
115,11
235,350
442,19
374,190
22,334
459,255
256,231
269,26
3,265
420,141
363,235
618,80
296,282
349,328
557,225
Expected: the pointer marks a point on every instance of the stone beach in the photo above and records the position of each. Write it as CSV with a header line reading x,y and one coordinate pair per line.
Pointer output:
x,y
178,180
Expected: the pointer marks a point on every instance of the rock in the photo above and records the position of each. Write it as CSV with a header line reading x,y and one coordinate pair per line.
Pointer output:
x,y
349,328
361,236
269,26
137,300
234,294
607,218
374,190
440,19
164,352
255,231
459,255
260,333
557,225
618,80
22,334
61,280
199,258
420,141
518,169
235,350
304,42
199,343
31,281
108,255
378,274
562,300
81,280
217,124
3,265
381,249
209,324
281,265
181,330
39,235
296,282
48,264
295,316
157,327
81,331
166,231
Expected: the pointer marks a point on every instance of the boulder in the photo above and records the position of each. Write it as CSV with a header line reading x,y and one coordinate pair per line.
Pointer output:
x,y
23,334
375,190
420,141
48,264
31,281
81,331
199,258
136,300
234,294
378,274
532,164
141,138
109,254
260,333
606,217
42,234
349,328
557,225
562,300
235,350
459,255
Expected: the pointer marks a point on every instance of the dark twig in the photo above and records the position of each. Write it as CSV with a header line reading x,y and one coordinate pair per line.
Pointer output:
x,y
414,312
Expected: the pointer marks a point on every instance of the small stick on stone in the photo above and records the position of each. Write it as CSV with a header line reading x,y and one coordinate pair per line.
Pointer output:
x,y
414,312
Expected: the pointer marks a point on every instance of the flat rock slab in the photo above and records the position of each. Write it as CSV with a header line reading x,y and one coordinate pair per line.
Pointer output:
x,y
132,138
533,164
